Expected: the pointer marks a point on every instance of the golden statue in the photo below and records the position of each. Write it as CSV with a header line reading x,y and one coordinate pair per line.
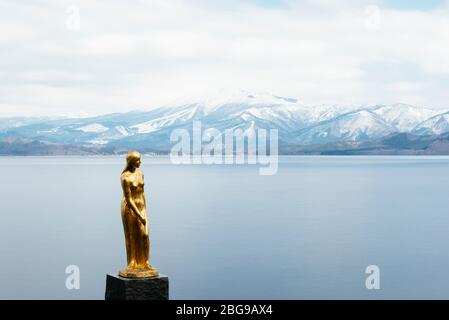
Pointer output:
x,y
135,221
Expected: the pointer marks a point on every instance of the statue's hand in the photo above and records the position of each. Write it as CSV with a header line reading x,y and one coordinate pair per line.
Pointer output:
x,y
140,217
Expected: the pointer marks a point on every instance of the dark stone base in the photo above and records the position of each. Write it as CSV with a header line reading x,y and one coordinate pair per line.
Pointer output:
x,y
119,288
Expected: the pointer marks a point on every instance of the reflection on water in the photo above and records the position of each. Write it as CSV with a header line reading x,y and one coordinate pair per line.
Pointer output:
x,y
225,232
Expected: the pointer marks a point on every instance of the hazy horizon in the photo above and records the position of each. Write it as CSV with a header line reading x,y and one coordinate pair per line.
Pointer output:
x,y
197,99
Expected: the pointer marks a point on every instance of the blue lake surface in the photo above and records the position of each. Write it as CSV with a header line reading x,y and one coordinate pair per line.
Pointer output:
x,y
226,232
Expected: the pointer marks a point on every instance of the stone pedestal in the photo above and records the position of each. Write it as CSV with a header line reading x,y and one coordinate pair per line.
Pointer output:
x,y
119,288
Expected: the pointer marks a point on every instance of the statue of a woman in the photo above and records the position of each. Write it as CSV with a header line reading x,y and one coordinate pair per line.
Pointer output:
x,y
135,222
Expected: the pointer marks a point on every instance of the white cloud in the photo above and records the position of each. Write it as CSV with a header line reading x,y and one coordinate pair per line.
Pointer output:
x,y
146,53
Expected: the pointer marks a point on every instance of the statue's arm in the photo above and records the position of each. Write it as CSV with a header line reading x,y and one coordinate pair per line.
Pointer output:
x,y
130,201
144,197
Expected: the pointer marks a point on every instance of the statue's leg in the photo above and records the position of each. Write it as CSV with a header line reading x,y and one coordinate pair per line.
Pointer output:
x,y
134,242
146,245
126,229
142,236
144,241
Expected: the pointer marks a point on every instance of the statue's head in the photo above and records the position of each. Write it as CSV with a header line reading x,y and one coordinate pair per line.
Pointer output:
x,y
133,160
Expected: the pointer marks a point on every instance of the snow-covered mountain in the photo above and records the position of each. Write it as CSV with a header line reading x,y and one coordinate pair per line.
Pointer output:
x,y
437,124
297,123
404,118
359,125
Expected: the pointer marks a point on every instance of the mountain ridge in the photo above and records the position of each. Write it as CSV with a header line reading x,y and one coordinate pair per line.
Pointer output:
x,y
300,126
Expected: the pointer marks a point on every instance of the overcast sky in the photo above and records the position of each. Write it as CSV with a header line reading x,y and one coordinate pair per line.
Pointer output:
x,y
93,57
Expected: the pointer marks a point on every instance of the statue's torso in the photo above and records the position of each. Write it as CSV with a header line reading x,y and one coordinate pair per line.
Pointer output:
x,y
137,187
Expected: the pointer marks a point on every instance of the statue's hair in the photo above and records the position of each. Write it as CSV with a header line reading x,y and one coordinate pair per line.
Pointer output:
x,y
130,157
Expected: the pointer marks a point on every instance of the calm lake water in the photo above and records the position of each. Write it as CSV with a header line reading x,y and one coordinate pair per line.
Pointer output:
x,y
225,232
